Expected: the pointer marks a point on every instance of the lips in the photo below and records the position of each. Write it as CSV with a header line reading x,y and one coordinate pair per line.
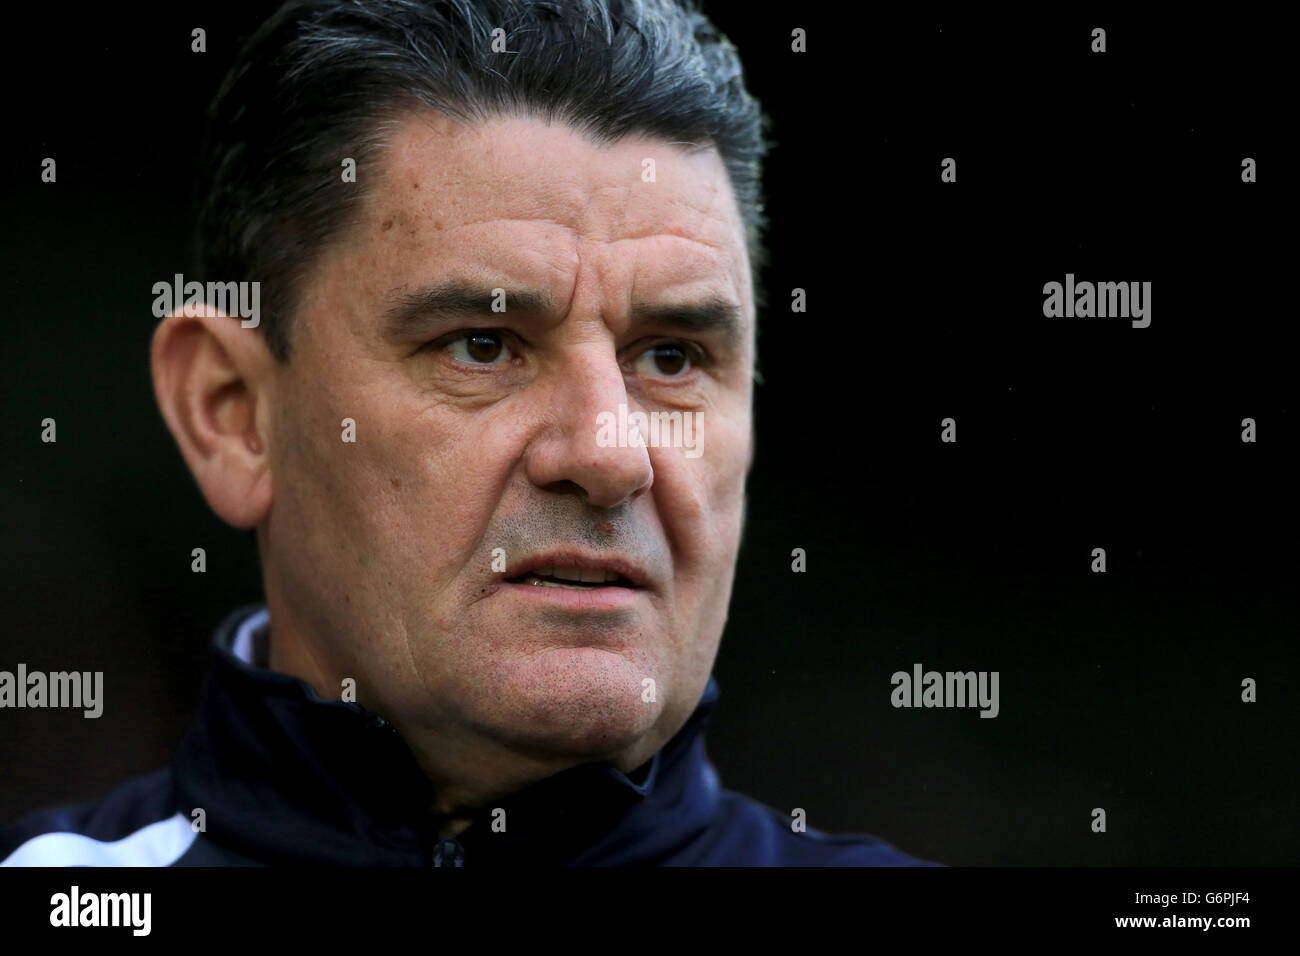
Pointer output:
x,y
578,572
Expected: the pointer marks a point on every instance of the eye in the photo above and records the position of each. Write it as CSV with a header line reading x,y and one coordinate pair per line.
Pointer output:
x,y
667,360
480,347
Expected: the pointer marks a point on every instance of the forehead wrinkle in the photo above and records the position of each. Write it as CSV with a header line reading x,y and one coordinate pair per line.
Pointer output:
x,y
710,222
693,267
716,246
440,160
569,190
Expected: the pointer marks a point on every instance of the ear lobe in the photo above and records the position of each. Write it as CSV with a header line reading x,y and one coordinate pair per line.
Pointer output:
x,y
211,379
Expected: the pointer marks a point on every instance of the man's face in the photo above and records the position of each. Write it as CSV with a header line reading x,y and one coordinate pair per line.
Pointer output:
x,y
478,430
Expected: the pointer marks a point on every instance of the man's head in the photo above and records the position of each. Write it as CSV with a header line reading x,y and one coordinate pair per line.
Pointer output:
x,y
551,229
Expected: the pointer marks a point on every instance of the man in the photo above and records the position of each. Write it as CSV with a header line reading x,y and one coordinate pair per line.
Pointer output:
x,y
492,428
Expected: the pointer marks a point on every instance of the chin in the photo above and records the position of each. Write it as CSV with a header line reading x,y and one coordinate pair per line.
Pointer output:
x,y
582,701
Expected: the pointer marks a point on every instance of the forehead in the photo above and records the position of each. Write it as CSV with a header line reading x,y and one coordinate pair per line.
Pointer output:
x,y
516,198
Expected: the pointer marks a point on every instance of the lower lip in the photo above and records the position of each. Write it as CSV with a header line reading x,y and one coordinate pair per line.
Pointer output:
x,y
577,599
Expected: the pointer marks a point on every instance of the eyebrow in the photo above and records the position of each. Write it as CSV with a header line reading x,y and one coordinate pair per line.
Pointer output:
x,y
415,314
712,316
419,314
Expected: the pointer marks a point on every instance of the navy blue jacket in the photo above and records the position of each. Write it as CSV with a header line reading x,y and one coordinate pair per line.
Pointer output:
x,y
284,776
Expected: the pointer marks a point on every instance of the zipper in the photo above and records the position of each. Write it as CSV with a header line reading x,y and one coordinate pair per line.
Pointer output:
x,y
447,853
441,852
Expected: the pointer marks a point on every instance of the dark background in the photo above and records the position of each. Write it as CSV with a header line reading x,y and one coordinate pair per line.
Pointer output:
x,y
1119,690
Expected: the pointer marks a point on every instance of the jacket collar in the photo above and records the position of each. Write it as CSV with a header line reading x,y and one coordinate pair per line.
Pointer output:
x,y
285,775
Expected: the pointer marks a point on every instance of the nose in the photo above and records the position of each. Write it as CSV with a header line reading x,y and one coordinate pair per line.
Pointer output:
x,y
574,453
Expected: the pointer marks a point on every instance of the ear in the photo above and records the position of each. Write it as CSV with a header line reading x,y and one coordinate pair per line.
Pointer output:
x,y
212,379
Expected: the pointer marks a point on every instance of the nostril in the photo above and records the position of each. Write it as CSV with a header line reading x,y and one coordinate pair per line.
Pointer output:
x,y
566,487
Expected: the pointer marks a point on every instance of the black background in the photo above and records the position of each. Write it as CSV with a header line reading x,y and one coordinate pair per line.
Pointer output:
x,y
1118,690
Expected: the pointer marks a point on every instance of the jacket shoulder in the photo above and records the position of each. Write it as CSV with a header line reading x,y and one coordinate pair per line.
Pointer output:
x,y
749,833
136,824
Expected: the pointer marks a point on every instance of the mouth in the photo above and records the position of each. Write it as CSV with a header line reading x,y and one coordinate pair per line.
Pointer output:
x,y
572,578
579,573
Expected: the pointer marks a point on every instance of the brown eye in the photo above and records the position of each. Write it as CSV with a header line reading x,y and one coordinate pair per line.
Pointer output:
x,y
669,360
479,348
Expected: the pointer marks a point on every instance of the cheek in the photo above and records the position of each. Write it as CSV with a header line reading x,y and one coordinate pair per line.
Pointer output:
x,y
334,447
702,499
342,466
438,483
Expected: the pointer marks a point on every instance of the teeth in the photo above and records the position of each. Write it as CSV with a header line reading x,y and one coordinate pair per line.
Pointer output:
x,y
538,582
586,576
578,577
